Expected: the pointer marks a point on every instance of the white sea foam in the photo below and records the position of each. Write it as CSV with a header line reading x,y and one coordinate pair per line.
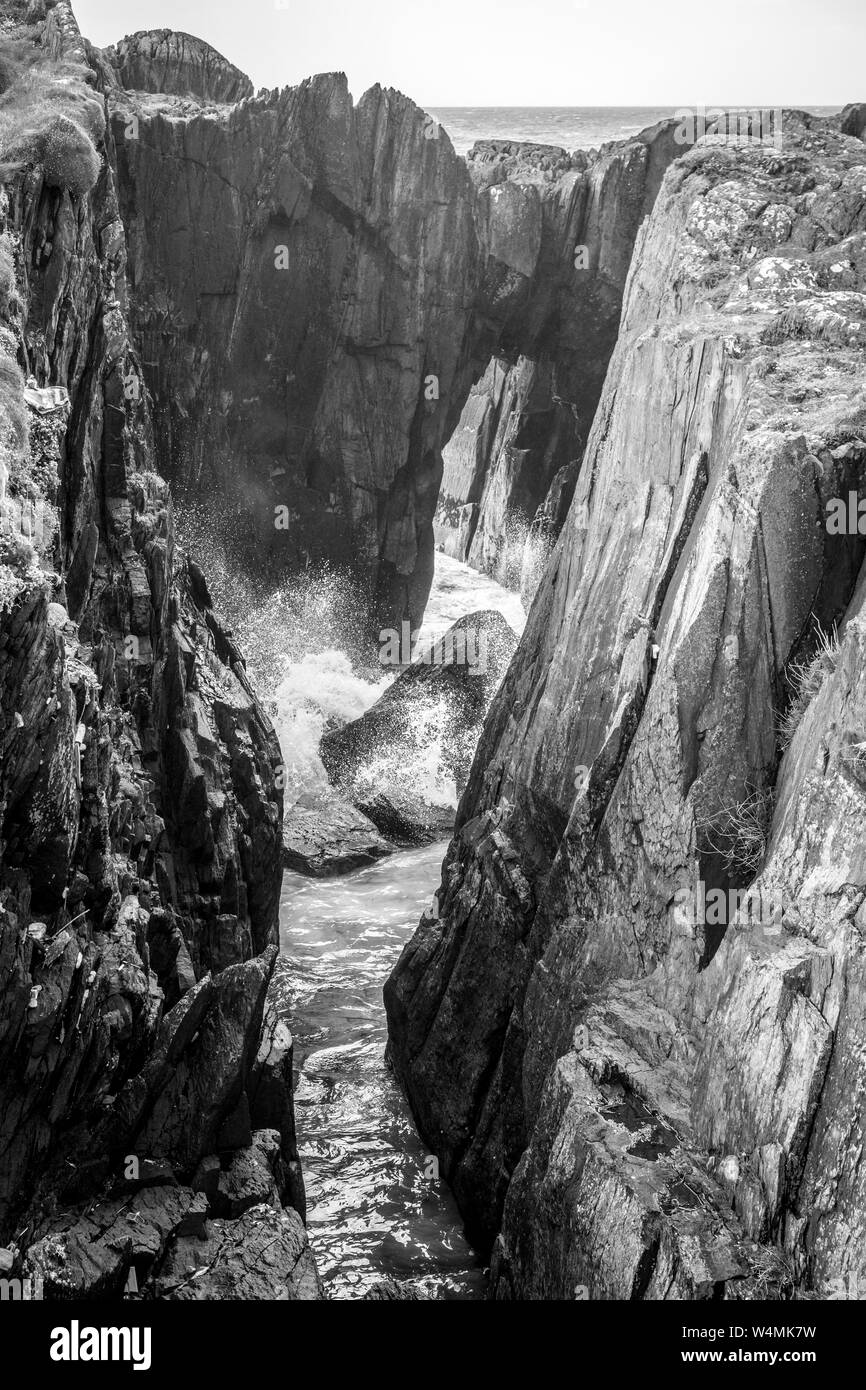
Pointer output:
x,y
298,641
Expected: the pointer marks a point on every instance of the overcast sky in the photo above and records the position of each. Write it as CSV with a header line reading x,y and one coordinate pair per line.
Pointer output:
x,y
540,53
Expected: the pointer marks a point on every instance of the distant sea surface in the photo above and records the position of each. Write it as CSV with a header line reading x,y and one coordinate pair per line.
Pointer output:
x,y
571,127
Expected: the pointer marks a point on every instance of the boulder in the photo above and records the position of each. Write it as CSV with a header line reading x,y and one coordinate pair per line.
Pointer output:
x,y
853,119
405,761
393,1291
190,1098
323,836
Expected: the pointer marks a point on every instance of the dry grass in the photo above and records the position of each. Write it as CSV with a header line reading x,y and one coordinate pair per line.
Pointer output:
x,y
13,411
7,274
69,158
48,116
805,679
739,833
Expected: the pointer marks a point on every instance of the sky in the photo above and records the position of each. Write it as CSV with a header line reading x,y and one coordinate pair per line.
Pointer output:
x,y
538,53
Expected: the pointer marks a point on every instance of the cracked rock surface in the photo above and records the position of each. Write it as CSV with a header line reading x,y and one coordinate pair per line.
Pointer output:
x,y
140,801
627,1093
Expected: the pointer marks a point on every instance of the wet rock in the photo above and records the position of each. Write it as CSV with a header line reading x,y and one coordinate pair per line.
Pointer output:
x,y
324,836
407,819
422,731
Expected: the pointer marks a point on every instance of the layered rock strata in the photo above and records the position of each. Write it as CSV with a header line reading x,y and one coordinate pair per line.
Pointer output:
x,y
635,1094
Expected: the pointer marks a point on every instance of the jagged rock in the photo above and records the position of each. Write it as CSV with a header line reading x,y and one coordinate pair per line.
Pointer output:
x,y
246,1181
139,776
87,1253
640,710
169,956
274,370
270,1089
407,818
162,60
262,1255
324,836
424,727
207,1175
178,1107
514,435
613,1207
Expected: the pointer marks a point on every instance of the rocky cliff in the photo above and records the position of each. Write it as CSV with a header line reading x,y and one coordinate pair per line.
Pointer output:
x,y
140,783
316,286
632,1025
558,231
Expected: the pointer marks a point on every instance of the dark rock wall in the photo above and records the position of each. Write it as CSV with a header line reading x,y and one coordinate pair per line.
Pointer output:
x,y
315,286
299,268
140,801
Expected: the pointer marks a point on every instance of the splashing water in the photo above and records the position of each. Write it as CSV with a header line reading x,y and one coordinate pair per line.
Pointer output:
x,y
376,1206
304,646
457,590
317,692
422,769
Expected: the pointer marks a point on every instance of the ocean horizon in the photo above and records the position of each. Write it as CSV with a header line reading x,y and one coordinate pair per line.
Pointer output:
x,y
571,127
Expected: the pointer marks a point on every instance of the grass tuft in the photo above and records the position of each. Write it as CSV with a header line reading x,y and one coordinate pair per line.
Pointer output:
x,y
739,834
805,679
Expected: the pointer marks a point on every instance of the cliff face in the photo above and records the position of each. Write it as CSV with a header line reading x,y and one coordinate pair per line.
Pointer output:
x,y
630,1090
301,272
315,287
140,801
559,232
181,65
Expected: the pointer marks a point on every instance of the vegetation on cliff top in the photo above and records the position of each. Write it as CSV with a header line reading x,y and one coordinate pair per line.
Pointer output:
x,y
50,117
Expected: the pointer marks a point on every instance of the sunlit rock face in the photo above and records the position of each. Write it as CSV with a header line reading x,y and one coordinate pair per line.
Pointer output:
x,y
634,1096
316,285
